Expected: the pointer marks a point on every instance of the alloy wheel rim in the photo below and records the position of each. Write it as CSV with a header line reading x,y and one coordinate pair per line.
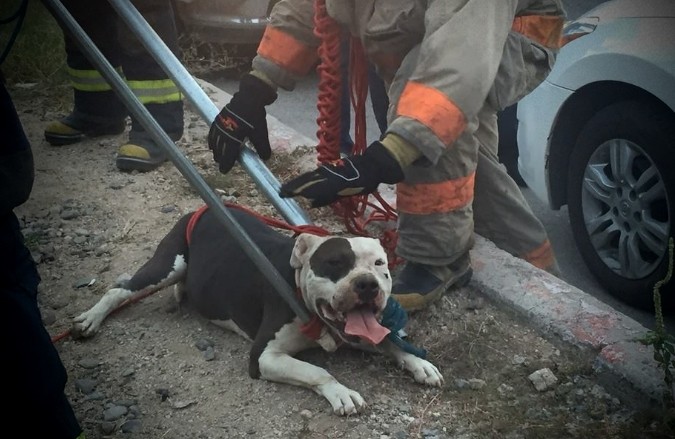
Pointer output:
x,y
626,209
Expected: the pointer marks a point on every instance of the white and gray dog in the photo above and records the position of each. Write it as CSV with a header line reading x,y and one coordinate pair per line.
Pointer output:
x,y
344,283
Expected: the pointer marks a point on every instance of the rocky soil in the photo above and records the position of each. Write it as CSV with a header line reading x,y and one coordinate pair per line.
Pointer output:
x,y
155,371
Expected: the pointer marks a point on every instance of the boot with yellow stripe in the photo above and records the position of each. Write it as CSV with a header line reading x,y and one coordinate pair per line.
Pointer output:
x,y
141,153
76,127
419,285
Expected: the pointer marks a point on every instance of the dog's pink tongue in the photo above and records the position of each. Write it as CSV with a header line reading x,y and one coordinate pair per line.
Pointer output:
x,y
362,323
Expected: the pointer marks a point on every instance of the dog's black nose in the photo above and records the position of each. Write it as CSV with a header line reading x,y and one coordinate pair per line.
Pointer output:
x,y
366,287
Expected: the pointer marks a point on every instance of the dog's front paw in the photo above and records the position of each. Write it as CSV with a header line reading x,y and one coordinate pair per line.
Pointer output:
x,y
86,324
343,400
423,371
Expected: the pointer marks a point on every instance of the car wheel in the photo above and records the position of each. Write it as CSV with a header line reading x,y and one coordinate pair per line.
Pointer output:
x,y
621,199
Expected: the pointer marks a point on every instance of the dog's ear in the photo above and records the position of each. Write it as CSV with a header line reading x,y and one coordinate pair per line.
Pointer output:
x,y
304,243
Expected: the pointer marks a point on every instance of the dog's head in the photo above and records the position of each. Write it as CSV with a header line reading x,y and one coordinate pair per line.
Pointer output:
x,y
345,281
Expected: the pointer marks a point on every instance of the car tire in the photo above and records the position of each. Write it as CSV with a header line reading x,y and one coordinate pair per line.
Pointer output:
x,y
621,199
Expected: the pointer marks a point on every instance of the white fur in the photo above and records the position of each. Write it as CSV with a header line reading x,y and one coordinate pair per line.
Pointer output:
x,y
370,259
278,364
88,323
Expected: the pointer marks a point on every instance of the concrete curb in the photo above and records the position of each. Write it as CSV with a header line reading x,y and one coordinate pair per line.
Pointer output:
x,y
564,312
553,307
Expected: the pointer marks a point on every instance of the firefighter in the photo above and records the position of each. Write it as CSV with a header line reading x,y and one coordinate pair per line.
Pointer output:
x,y
97,109
450,66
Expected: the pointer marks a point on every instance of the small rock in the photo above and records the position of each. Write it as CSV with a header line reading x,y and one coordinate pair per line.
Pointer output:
x,y
85,385
114,413
68,214
203,344
542,379
167,209
182,404
518,360
94,396
209,354
128,371
84,282
131,426
89,363
107,427
476,384
306,414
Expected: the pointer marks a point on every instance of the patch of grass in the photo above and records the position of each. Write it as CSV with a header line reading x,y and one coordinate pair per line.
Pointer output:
x,y
38,54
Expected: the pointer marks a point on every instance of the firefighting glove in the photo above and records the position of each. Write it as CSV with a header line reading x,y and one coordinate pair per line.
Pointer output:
x,y
352,175
244,117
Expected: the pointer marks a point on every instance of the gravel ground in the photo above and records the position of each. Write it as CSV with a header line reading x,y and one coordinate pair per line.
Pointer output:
x,y
156,371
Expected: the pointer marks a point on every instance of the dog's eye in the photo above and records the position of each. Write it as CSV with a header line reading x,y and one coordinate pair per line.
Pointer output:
x,y
380,262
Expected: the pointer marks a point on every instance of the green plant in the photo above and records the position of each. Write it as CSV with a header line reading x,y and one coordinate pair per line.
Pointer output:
x,y
662,342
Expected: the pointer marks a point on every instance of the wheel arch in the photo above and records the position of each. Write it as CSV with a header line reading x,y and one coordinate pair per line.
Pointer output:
x,y
571,119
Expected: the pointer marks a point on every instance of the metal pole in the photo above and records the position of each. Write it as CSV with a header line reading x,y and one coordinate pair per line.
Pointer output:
x,y
180,161
249,160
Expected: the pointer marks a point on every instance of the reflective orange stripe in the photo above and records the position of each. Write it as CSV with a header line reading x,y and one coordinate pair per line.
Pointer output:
x,y
433,109
544,29
443,197
286,51
541,257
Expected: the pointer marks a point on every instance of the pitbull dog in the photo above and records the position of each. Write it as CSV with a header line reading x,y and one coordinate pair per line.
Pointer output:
x,y
343,282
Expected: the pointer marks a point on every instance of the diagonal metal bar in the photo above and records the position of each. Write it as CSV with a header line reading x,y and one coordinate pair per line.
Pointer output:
x,y
179,160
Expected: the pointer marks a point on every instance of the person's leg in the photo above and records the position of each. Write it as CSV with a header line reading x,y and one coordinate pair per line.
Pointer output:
x,y
346,142
152,86
378,98
435,216
96,108
501,213
507,122
35,377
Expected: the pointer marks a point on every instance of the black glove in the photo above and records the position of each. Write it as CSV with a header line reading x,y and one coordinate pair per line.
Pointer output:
x,y
352,175
243,117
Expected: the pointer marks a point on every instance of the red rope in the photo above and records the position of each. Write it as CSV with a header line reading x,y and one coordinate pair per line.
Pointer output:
x,y
328,120
351,210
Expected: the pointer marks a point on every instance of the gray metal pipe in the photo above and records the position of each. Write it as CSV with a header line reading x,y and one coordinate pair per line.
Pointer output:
x,y
249,160
179,160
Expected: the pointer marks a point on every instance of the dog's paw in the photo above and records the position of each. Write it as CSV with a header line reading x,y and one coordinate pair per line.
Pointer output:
x,y
423,371
343,400
85,325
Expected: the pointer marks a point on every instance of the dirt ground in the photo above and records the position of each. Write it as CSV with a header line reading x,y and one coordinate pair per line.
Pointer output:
x,y
157,372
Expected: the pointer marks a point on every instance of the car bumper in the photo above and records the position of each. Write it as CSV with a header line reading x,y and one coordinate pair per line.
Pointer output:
x,y
537,114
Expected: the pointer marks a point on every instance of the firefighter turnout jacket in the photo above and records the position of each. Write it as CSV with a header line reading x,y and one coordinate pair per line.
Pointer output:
x,y
450,66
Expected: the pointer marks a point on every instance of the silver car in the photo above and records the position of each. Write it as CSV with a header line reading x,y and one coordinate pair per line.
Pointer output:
x,y
224,21
599,136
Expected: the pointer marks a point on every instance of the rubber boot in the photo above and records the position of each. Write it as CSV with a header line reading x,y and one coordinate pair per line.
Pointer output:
x,y
419,285
76,126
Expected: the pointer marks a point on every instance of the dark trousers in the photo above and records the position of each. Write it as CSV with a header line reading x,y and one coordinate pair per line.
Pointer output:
x,y
378,99
122,49
34,374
